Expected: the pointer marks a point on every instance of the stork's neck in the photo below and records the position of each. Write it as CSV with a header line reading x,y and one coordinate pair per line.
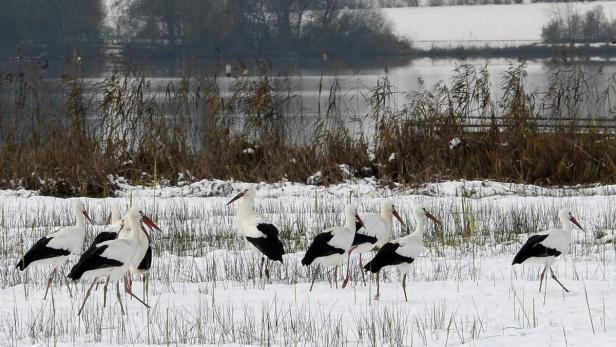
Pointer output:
x,y
245,207
389,222
135,230
566,224
420,227
349,222
80,219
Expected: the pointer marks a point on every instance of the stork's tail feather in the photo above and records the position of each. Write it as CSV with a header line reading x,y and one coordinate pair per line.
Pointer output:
x,y
76,273
370,266
20,265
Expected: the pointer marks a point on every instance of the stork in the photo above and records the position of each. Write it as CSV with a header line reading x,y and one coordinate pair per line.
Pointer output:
x,y
112,258
259,233
56,247
544,247
403,251
328,248
115,225
377,229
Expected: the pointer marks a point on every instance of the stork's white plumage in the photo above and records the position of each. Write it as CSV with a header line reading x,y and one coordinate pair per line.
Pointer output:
x,y
544,247
55,248
112,258
377,230
329,247
403,251
260,234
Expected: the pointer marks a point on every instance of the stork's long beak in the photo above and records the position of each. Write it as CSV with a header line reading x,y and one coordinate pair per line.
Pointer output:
x,y
147,221
109,219
436,221
358,218
235,198
574,221
85,213
395,213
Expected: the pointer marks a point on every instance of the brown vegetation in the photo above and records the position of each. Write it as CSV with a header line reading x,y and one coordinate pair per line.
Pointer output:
x,y
69,142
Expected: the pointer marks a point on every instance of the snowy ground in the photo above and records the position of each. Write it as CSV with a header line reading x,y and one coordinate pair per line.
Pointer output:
x,y
204,288
492,25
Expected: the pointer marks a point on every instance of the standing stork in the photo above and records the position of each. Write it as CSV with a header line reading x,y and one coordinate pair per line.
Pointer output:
x,y
56,247
377,230
544,247
328,248
403,251
142,259
112,258
259,233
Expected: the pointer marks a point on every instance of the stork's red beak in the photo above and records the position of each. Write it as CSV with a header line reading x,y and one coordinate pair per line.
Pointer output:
x,y
395,213
147,221
436,221
85,213
574,221
235,198
109,219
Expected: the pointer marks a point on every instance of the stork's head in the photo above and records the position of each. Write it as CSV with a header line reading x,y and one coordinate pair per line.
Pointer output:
x,y
248,193
387,206
80,211
351,215
135,217
422,214
566,218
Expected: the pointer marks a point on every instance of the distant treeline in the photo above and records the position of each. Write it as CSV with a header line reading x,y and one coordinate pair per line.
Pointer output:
x,y
568,26
35,27
194,27
433,3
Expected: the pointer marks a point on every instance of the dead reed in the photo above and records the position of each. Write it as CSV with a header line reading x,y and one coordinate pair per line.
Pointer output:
x,y
66,137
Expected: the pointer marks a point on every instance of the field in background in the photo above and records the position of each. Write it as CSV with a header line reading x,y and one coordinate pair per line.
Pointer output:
x,y
482,26
204,286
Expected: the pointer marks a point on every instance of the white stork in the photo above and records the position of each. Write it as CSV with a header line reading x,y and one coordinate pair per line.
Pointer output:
x,y
328,248
56,247
111,258
403,251
377,229
544,247
259,233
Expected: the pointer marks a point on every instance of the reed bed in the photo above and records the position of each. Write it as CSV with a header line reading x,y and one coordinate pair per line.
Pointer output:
x,y
67,137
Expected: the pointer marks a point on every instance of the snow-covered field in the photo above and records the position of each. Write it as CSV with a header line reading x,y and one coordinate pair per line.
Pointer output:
x,y
204,287
492,25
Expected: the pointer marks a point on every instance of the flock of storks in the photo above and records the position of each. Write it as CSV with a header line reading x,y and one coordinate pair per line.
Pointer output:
x,y
124,249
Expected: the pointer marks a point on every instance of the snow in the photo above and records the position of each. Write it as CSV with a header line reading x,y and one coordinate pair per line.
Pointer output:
x,y
492,25
204,289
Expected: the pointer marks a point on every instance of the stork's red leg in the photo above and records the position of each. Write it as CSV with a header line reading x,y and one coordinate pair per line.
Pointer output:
x,y
361,269
378,286
49,282
404,287
541,278
87,296
314,276
348,274
557,281
105,292
70,293
336,276
119,297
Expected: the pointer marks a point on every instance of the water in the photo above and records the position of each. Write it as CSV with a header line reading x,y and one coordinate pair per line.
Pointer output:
x,y
309,89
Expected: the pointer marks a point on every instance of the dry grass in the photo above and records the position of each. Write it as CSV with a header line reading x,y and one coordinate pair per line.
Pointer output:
x,y
67,141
